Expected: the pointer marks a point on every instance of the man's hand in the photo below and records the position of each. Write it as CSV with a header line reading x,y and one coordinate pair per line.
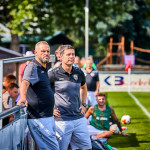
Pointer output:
x,y
56,113
96,92
125,134
23,102
83,109
112,128
23,92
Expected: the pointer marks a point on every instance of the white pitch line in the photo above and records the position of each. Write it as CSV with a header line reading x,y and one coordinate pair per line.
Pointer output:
x,y
140,105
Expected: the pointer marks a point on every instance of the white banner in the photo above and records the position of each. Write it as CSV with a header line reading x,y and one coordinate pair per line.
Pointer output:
x,y
119,82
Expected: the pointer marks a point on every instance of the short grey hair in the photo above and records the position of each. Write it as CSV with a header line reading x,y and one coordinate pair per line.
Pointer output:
x,y
63,48
39,43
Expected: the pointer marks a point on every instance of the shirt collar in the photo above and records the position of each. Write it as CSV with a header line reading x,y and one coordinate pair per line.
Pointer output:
x,y
63,71
36,62
91,70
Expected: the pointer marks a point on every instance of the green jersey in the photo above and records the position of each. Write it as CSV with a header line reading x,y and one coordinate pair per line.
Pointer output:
x,y
93,66
101,119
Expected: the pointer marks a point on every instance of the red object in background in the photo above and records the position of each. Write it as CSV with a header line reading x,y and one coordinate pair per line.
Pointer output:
x,y
124,128
128,66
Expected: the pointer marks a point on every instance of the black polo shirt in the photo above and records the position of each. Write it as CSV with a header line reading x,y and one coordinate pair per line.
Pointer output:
x,y
40,96
67,91
91,79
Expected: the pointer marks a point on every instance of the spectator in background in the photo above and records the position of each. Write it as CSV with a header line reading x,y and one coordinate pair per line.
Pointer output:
x,y
10,78
93,64
9,100
10,95
82,61
58,57
77,62
23,65
92,81
4,89
57,53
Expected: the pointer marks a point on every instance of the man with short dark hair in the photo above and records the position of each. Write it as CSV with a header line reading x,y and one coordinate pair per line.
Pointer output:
x,y
70,97
36,93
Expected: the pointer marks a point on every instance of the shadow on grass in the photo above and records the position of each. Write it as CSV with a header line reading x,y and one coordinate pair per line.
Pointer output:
x,y
120,141
124,106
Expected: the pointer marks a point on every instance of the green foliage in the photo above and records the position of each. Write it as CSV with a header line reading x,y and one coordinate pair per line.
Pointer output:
x,y
45,17
65,15
137,29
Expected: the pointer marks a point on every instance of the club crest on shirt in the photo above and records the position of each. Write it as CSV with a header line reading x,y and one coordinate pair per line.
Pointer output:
x,y
85,73
75,76
92,74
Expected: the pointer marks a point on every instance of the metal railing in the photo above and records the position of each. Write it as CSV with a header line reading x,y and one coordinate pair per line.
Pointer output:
x,y
15,135
16,60
14,110
5,61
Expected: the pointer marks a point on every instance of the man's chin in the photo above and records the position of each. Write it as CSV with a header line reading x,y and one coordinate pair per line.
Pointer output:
x,y
101,104
70,64
45,61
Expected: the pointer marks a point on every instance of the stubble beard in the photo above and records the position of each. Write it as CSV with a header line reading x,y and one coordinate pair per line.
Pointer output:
x,y
43,60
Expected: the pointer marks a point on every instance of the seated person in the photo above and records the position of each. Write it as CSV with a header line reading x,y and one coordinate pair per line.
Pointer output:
x,y
4,89
100,122
10,78
9,100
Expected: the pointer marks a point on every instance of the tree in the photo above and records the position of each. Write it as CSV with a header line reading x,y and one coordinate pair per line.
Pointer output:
x,y
45,17
136,29
17,16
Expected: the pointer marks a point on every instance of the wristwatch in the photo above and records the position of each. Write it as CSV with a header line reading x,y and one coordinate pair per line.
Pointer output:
x,y
84,104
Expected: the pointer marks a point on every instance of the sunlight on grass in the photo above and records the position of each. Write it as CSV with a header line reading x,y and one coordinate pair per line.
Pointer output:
x,y
139,128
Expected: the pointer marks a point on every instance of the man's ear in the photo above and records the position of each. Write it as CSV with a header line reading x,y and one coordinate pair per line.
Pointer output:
x,y
35,52
8,90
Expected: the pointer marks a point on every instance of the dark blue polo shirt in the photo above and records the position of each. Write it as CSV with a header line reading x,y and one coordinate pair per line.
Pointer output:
x,y
40,96
67,92
91,79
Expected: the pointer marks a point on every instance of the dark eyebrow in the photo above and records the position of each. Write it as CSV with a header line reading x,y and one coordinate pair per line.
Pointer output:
x,y
45,49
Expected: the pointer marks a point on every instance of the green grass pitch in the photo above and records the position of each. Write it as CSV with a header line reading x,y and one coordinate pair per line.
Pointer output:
x,y
139,129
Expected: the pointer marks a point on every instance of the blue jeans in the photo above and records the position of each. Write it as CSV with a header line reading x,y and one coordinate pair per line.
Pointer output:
x,y
74,132
43,133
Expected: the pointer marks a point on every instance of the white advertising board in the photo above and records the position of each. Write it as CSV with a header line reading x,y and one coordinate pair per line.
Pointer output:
x,y
119,82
